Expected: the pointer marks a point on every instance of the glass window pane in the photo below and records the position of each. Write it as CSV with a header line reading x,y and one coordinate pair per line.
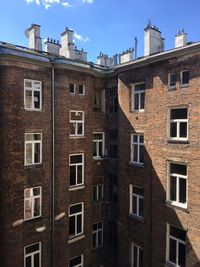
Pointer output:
x,y
28,99
173,129
36,260
138,190
172,250
178,233
72,128
94,193
135,153
134,205
100,238
178,169
173,181
79,128
72,175
76,159
100,149
72,88
141,210
37,153
81,89
172,80
135,256
29,159
140,87
75,261
183,129
36,99
79,174
179,113
140,257
94,149
185,77
32,248
79,223
136,101
141,159
72,225
142,100
181,255
94,240
28,262
28,209
75,208
98,136
182,192
37,207
36,191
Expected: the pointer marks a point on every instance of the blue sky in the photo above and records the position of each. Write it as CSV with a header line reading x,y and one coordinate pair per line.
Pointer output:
x,y
107,26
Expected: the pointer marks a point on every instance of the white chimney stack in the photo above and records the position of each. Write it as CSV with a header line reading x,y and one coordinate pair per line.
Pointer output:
x,y
52,47
67,46
180,39
153,42
34,39
104,60
127,56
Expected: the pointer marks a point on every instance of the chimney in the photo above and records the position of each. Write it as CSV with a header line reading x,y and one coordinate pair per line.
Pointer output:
x,y
127,56
104,60
153,42
80,54
67,46
52,47
34,39
180,39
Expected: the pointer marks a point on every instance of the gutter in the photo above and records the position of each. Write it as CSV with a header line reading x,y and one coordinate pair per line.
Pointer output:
x,y
52,262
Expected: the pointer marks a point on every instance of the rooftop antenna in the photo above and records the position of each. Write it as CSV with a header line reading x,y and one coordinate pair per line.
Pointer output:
x,y
149,23
136,44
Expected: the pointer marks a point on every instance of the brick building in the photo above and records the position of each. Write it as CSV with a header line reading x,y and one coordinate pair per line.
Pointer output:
x,y
99,162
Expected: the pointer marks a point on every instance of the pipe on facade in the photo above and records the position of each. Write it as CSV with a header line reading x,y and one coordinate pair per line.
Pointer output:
x,y
52,60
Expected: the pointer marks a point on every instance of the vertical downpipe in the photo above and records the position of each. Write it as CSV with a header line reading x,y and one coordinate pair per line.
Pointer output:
x,y
53,159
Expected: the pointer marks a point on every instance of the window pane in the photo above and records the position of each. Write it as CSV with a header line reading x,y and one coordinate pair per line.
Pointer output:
x,y
183,129
94,193
100,238
94,227
36,136
72,88
32,248
27,193
36,260
98,136
79,223
181,255
185,77
36,191
135,153
138,190
179,113
75,208
135,255
72,175
37,207
142,100
94,239
140,257
94,149
172,250
72,225
141,213
73,262
76,159
134,205
100,149
79,128
28,99
135,138
37,153
28,262
173,129
140,87
72,128
81,89
178,168
79,174
29,159
182,188
178,233
173,181
76,115
172,78
28,206
136,101
36,99
141,159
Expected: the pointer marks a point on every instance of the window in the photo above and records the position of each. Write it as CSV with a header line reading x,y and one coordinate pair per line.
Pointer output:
x,y
98,192
177,184
32,95
76,123
172,80
176,246
185,76
32,255
99,101
32,203
136,201
76,163
81,89
178,128
98,145
113,101
97,234
33,148
138,97
75,220
136,256
72,88
113,148
137,148
76,261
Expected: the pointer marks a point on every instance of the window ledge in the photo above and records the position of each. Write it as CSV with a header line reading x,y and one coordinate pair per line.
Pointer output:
x,y
171,88
173,141
33,109
74,188
140,165
33,166
33,219
174,206
133,216
76,136
76,238
168,264
99,158
184,85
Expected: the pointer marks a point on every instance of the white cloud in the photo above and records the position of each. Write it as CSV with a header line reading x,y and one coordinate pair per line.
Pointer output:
x,y
88,1
81,38
66,4
48,3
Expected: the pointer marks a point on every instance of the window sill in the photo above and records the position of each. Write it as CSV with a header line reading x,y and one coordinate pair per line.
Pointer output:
x,y
133,216
74,188
184,85
33,109
33,219
138,111
99,158
135,164
171,88
76,238
177,141
33,166
168,264
174,206
97,248
76,136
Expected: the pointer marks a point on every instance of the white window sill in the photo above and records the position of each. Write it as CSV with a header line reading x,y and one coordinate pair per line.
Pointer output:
x,y
36,165
74,188
184,85
76,136
179,140
137,164
136,217
99,158
76,238
174,205
32,109
171,88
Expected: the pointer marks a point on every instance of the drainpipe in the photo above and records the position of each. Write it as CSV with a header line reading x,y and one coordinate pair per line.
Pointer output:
x,y
52,60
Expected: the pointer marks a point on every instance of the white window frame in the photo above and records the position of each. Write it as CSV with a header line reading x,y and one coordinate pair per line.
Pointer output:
x,y
139,93
32,89
77,265
76,123
138,198
96,234
178,178
32,254
32,199
178,122
139,144
99,194
169,80
77,164
75,215
32,142
177,243
97,141
74,86
181,76
83,89
139,250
